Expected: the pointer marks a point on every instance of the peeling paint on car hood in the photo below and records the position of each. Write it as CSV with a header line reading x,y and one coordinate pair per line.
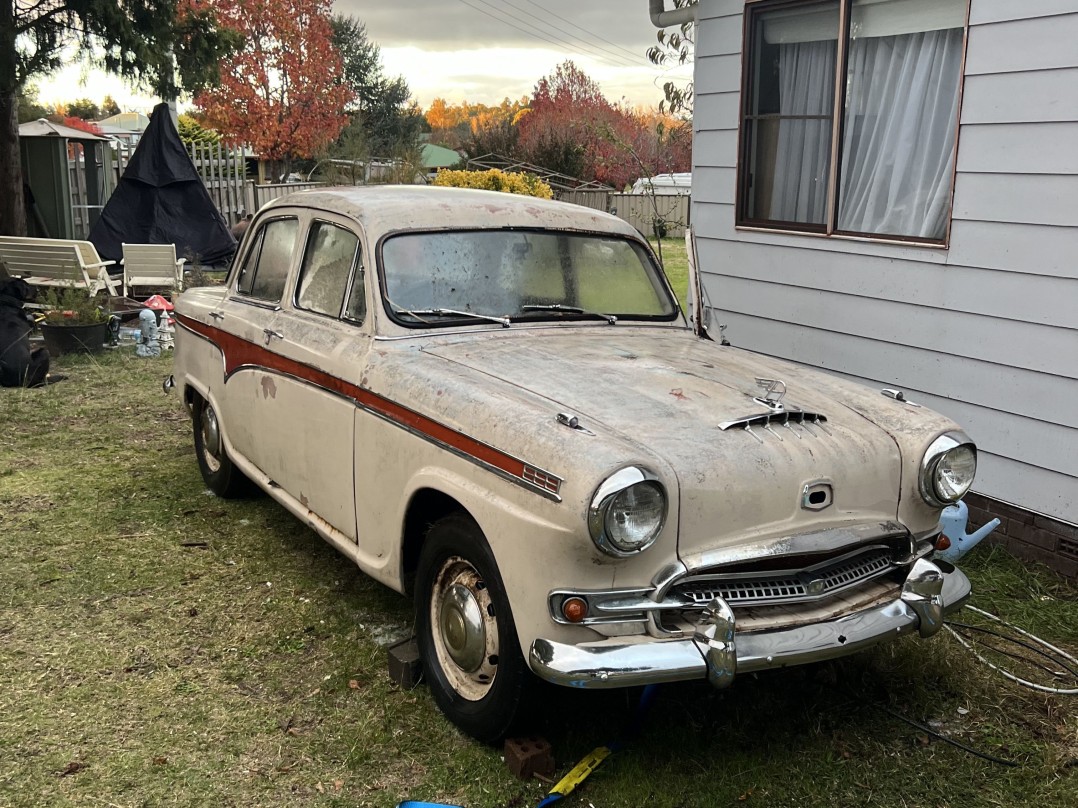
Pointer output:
x,y
668,392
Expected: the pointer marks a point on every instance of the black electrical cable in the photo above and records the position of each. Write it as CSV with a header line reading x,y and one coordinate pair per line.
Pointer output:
x,y
944,738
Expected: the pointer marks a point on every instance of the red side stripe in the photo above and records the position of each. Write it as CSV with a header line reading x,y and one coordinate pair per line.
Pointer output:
x,y
240,353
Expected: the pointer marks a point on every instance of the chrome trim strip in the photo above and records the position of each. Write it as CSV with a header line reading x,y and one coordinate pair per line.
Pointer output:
x,y
531,477
505,475
834,538
617,663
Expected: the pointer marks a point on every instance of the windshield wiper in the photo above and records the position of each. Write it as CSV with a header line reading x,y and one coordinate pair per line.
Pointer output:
x,y
610,318
418,313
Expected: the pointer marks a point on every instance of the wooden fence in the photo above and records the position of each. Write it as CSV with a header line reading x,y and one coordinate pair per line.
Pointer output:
x,y
224,173
642,211
261,194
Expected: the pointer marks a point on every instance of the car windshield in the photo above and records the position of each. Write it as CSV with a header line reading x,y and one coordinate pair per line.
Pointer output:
x,y
441,278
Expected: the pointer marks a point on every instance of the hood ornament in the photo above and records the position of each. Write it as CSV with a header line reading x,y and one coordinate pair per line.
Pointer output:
x,y
774,390
777,414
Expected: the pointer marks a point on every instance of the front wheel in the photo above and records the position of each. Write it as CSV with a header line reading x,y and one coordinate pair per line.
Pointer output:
x,y
467,639
218,471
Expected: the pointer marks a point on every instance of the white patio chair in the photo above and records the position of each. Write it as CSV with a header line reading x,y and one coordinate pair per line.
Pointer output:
x,y
152,265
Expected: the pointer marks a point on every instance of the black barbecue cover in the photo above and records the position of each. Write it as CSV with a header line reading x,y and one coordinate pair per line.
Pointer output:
x,y
161,200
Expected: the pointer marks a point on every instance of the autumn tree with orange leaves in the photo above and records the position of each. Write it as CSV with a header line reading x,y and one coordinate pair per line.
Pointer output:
x,y
459,125
281,93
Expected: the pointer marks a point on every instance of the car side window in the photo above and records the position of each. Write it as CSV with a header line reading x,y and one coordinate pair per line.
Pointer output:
x,y
265,270
331,253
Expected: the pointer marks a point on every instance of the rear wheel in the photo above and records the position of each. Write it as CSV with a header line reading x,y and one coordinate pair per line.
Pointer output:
x,y
467,639
218,471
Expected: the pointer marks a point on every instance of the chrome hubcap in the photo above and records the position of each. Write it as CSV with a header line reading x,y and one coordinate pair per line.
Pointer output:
x,y
464,628
211,438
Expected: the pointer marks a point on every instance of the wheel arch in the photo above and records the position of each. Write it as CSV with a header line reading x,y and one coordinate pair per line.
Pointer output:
x,y
426,506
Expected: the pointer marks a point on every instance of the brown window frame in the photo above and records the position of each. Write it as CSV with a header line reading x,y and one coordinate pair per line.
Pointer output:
x,y
753,8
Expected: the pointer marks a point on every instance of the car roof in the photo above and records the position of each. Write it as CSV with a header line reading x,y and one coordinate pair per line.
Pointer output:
x,y
385,208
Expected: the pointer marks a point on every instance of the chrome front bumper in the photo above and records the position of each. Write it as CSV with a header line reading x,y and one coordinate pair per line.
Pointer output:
x,y
718,652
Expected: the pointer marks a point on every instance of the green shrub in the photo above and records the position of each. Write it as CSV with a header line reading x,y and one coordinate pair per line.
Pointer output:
x,y
66,305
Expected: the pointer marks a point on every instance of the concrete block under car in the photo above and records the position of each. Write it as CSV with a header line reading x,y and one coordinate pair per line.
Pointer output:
x,y
404,666
529,756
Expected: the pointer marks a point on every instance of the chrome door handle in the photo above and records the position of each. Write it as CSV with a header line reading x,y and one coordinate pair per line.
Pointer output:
x,y
270,334
217,315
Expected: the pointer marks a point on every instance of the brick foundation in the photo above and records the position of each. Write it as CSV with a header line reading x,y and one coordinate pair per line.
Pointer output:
x,y
1027,535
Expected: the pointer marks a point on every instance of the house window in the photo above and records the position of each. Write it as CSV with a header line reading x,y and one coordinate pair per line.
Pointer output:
x,y
880,161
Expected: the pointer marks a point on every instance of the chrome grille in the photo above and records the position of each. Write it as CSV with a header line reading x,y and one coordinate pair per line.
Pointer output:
x,y
753,589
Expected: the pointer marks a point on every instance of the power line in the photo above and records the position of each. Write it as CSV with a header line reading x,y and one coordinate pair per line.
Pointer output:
x,y
634,56
552,39
582,28
590,50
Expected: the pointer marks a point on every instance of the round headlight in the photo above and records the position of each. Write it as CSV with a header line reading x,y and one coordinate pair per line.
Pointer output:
x,y
627,512
948,469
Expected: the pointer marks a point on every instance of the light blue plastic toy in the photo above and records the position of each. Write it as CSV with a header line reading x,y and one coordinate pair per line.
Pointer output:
x,y
148,344
953,520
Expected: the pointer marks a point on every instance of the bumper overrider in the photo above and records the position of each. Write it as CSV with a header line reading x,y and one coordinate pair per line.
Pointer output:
x,y
718,652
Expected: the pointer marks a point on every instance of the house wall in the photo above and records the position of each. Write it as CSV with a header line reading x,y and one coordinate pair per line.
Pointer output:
x,y
985,330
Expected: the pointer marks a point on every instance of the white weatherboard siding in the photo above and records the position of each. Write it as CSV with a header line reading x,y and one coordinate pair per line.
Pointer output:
x,y
985,330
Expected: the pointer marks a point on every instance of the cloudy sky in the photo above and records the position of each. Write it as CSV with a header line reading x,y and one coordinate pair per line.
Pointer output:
x,y
479,50
485,50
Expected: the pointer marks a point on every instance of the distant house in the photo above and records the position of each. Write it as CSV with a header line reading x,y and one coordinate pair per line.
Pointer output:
x,y
126,127
436,157
888,190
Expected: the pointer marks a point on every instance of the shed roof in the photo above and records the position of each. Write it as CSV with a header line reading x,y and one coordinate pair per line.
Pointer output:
x,y
439,156
43,127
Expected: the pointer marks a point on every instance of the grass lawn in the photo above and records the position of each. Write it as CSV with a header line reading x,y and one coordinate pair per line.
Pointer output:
x,y
159,646
676,264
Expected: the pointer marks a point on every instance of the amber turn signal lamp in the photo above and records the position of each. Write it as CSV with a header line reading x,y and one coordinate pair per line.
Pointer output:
x,y
574,609
943,543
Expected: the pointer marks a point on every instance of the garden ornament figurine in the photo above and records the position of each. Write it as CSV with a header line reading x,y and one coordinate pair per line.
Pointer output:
x,y
954,520
148,344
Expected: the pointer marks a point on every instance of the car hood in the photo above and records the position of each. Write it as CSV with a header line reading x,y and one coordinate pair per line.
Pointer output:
x,y
668,394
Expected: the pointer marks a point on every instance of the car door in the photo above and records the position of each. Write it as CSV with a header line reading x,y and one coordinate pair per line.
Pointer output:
x,y
249,315
321,341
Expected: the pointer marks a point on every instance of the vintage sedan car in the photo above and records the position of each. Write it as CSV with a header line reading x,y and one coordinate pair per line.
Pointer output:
x,y
495,403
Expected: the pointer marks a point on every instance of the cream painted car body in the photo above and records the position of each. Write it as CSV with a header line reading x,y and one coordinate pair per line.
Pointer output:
x,y
369,431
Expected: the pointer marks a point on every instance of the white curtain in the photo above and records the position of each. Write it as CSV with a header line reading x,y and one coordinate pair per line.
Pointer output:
x,y
899,139
806,87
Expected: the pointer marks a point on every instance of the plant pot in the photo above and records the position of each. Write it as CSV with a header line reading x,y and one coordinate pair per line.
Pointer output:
x,y
62,339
